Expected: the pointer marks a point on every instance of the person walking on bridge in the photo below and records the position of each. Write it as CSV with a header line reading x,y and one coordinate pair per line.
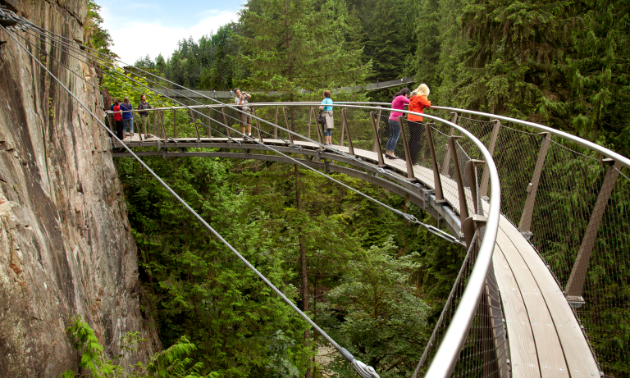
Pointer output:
x,y
401,98
417,103
127,117
144,116
245,114
327,111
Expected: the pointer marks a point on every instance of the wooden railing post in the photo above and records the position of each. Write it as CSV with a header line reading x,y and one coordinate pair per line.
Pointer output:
x,y
275,129
377,141
463,207
286,122
437,181
485,177
174,123
344,120
526,218
257,126
155,116
575,285
446,162
209,122
410,174
227,128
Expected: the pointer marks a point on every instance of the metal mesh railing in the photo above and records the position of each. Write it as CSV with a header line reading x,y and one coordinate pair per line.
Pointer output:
x,y
554,192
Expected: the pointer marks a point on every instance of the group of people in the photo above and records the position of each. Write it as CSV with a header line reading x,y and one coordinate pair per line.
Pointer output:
x,y
123,116
417,102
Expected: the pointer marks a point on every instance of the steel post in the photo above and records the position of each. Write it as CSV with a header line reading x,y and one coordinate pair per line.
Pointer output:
x,y
575,285
162,124
192,116
375,146
437,181
257,126
471,173
410,174
377,142
310,117
463,207
446,162
155,116
209,123
344,120
485,177
227,128
286,122
526,218
275,129
174,123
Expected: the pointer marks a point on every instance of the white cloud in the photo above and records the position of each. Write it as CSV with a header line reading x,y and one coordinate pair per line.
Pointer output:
x,y
134,39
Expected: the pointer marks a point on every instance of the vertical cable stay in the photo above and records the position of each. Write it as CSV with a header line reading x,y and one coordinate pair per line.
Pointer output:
x,y
410,218
363,370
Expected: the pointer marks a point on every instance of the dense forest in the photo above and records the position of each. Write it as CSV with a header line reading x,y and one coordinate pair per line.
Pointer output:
x,y
365,275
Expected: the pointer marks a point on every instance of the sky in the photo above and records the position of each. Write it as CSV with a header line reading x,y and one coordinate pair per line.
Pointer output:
x,y
152,27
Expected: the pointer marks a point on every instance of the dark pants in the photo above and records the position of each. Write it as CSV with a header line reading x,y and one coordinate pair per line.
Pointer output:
x,y
119,129
415,132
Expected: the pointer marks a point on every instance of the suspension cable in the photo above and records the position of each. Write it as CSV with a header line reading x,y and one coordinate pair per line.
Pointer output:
x,y
410,218
364,370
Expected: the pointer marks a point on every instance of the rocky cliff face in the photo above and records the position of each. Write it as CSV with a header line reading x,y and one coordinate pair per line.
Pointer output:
x,y
65,242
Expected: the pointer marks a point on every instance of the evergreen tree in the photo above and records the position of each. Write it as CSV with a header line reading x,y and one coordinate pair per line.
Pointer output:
x,y
288,45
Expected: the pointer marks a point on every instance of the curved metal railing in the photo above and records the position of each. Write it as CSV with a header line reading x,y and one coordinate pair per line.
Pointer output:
x,y
360,134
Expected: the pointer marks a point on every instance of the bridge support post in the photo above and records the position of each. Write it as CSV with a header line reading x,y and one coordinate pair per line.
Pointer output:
x,y
174,123
227,128
439,194
209,122
275,129
155,116
310,117
575,285
162,125
341,138
344,120
461,193
485,178
377,141
447,156
192,116
526,218
410,174
286,122
260,138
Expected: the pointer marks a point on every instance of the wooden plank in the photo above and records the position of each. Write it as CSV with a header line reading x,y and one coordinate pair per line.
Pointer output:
x,y
576,350
550,355
524,359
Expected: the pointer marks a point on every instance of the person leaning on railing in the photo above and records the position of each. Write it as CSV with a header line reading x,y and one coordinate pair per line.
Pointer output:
x,y
400,100
417,103
327,112
144,116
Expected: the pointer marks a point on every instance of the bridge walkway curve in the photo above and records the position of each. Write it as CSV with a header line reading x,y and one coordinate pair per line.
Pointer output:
x,y
544,337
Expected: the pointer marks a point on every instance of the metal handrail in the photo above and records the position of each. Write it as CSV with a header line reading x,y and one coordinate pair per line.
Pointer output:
x,y
593,146
447,355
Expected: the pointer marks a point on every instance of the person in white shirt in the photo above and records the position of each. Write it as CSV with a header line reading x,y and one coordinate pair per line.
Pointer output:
x,y
245,114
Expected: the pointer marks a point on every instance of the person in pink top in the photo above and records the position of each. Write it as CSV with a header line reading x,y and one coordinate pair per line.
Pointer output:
x,y
400,100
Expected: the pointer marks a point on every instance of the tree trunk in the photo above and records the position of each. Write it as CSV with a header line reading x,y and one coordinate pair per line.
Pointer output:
x,y
307,334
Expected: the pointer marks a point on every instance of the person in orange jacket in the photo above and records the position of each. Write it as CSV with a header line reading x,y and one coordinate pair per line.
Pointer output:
x,y
417,103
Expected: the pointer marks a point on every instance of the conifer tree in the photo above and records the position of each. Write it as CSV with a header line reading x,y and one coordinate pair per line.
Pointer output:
x,y
288,45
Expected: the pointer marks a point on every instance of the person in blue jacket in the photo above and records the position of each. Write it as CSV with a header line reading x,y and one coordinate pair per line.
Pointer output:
x,y
327,112
126,106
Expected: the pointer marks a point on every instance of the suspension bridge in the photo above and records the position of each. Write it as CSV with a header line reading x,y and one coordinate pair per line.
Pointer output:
x,y
542,214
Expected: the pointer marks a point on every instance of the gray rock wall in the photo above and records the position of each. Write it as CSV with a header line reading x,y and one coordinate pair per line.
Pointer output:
x,y
65,242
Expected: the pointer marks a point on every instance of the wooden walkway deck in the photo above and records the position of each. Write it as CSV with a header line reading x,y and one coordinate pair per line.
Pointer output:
x,y
545,339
